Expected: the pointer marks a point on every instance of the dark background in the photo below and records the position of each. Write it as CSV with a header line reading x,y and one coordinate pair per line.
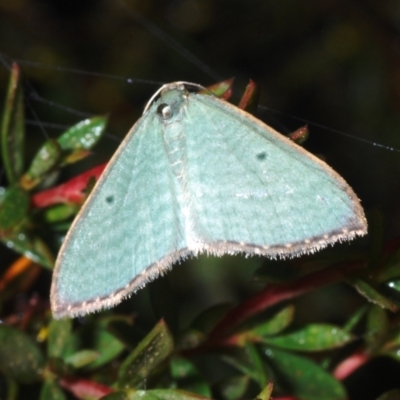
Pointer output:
x,y
335,63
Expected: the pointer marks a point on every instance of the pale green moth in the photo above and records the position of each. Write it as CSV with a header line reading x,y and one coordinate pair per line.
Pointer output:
x,y
197,175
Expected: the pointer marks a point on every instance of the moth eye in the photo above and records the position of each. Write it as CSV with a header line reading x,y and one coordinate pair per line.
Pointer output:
x,y
164,111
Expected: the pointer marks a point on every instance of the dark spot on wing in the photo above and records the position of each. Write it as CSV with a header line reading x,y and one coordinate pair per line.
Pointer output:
x,y
110,199
261,156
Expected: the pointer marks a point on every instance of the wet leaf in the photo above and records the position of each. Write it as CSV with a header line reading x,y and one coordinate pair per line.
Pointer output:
x,y
14,208
45,160
391,289
160,394
20,357
84,135
147,355
31,247
373,295
305,379
313,337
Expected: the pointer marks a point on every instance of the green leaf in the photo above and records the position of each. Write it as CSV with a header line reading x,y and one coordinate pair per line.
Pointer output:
x,y
84,135
82,358
306,380
59,212
391,289
355,318
276,324
20,357
313,337
391,346
170,394
51,391
120,326
12,128
45,161
188,376
393,394
257,364
148,354
58,337
242,366
220,89
377,326
251,366
163,394
373,295
395,284
31,247
235,387
14,208
190,339
182,368
265,393
106,345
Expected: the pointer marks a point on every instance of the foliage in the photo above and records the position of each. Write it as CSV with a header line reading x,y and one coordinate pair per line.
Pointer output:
x,y
234,352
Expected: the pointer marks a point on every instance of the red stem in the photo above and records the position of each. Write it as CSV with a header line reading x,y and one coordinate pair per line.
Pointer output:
x,y
274,294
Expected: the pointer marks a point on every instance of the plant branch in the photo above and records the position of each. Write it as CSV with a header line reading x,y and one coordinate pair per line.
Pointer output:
x,y
276,293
